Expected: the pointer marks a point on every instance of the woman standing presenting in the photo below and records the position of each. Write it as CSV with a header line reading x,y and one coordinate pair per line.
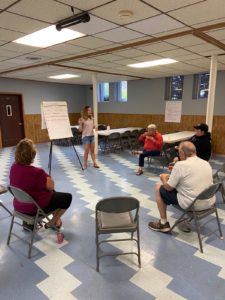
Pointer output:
x,y
86,126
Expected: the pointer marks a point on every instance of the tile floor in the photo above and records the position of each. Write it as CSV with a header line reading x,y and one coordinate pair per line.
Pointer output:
x,y
172,266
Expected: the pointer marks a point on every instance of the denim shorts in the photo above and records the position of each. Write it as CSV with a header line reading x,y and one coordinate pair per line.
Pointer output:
x,y
87,140
168,197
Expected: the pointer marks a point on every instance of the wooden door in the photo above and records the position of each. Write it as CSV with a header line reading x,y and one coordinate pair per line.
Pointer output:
x,y
11,119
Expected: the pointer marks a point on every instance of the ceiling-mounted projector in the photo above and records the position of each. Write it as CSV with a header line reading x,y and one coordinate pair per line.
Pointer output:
x,y
76,19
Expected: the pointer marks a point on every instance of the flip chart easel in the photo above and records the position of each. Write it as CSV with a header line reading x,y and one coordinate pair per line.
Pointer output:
x,y
54,117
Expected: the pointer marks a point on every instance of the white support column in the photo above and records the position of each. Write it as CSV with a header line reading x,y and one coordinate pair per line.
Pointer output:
x,y
95,107
211,94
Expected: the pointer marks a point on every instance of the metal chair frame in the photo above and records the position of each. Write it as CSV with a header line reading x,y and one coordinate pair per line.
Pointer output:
x,y
34,220
197,215
114,206
219,176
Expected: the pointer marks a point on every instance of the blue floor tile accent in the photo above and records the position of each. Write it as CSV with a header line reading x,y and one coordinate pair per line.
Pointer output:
x,y
172,266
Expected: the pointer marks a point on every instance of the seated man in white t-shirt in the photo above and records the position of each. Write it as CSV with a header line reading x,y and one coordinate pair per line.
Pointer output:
x,y
189,177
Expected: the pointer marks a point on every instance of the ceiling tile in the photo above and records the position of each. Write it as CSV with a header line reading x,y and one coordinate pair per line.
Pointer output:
x,y
90,42
19,23
201,47
174,53
119,34
85,4
18,48
5,3
9,35
171,4
217,34
138,9
95,25
155,24
130,53
200,12
157,47
184,41
67,48
31,8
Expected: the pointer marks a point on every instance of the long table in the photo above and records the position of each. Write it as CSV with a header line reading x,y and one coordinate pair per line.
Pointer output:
x,y
120,130
175,137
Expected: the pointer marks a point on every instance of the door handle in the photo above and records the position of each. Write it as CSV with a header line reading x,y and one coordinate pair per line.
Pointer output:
x,y
20,124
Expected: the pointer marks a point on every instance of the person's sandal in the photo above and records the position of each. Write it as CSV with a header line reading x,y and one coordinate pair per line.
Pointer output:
x,y
54,227
139,172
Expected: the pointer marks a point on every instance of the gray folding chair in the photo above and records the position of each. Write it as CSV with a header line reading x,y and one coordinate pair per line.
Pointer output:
x,y
116,215
4,190
125,139
192,214
219,176
113,142
34,220
161,160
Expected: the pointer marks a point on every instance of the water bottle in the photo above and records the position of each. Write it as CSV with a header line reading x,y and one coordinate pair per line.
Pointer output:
x,y
108,128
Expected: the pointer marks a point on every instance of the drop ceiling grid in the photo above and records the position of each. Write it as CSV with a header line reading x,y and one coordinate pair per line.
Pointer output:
x,y
20,24
111,11
200,12
156,24
31,8
85,5
166,6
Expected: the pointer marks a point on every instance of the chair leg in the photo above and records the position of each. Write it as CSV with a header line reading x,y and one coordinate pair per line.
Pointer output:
x,y
1,204
218,223
10,230
32,236
138,245
198,232
97,253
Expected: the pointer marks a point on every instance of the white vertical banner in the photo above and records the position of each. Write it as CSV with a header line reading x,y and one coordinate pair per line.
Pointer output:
x,y
173,111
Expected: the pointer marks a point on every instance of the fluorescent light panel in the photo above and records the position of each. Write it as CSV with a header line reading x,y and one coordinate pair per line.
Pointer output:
x,y
48,37
64,76
153,63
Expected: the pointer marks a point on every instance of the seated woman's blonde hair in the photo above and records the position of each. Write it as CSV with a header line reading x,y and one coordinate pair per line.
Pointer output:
x,y
25,152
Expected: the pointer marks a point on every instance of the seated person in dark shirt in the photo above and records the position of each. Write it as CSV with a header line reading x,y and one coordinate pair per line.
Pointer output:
x,y
201,140
37,184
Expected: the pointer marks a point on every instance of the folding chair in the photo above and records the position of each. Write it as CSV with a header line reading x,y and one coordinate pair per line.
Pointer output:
x,y
125,139
34,220
76,136
161,160
134,138
219,176
113,142
3,190
191,213
116,215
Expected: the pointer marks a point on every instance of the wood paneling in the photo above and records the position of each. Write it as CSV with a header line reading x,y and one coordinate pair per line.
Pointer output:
x,y
187,122
33,125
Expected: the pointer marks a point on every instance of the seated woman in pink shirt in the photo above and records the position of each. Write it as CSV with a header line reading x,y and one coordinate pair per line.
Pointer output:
x,y
37,184
86,126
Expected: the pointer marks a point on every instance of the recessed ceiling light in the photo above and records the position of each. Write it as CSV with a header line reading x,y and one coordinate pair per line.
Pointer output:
x,y
153,63
48,37
64,76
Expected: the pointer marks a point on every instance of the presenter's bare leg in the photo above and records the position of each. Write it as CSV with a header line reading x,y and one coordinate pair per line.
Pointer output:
x,y
92,150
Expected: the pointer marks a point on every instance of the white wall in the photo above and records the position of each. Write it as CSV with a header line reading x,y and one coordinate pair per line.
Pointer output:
x,y
147,96
34,92
144,96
